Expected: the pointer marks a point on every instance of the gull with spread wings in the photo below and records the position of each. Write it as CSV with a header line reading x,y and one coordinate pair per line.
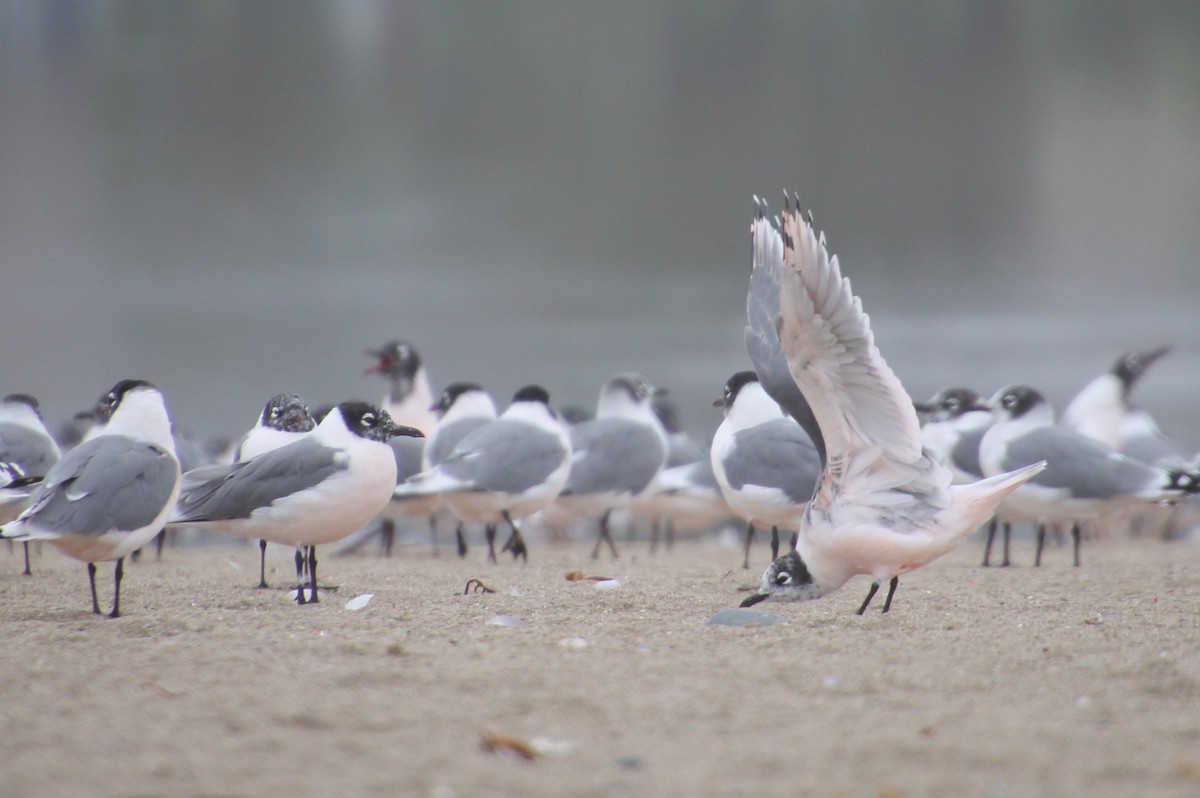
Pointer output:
x,y
883,505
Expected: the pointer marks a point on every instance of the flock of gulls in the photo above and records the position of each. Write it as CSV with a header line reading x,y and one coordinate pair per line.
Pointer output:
x,y
819,439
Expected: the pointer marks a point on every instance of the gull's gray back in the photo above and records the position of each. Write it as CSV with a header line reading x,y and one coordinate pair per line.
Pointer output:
x,y
965,454
1086,468
450,435
110,483
28,448
1154,448
189,454
225,492
512,457
776,454
682,450
408,453
620,457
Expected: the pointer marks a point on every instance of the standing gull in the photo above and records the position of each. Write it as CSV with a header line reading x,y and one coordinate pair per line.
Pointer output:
x,y
462,408
1084,479
883,505
409,399
26,443
111,494
503,471
285,419
765,463
316,490
955,422
1099,408
615,456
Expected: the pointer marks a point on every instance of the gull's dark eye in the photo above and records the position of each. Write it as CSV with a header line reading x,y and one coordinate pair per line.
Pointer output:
x,y
953,404
783,578
368,419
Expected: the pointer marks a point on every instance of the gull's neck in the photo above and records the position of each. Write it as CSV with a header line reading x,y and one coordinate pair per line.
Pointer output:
x,y
142,414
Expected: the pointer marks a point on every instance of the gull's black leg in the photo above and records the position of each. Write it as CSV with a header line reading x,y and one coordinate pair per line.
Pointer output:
x,y
262,564
515,543
1007,535
774,543
887,604
987,547
749,540
1041,541
92,582
867,600
312,572
607,535
27,571
604,536
388,529
1075,535
118,572
160,540
462,542
489,532
433,530
795,540
670,534
300,563
654,533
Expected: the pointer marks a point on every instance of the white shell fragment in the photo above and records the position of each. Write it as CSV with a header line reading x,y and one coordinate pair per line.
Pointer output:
x,y
358,602
507,620
574,643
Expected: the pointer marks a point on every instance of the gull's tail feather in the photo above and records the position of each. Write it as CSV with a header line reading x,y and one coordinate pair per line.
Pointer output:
x,y
976,502
428,483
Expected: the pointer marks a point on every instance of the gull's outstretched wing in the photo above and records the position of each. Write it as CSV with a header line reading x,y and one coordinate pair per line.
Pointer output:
x,y
866,418
762,328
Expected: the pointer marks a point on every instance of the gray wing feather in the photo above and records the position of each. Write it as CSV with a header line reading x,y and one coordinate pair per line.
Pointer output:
x,y
28,448
450,435
110,483
1086,468
189,454
618,456
775,455
1155,449
518,457
407,453
965,454
682,450
226,492
761,336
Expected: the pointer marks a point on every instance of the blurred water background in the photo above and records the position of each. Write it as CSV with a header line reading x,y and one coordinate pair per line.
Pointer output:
x,y
234,199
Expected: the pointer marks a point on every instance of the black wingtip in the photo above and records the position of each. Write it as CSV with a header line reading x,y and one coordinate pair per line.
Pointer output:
x,y
1185,481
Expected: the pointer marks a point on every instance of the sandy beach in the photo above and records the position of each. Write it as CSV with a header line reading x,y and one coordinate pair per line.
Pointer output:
x,y
990,682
